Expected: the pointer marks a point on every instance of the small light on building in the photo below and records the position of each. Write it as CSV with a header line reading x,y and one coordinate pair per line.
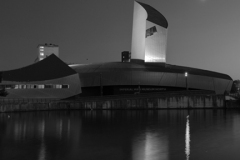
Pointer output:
x,y
186,74
41,53
41,47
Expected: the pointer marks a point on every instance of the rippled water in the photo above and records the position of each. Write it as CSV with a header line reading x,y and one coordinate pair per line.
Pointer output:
x,y
121,135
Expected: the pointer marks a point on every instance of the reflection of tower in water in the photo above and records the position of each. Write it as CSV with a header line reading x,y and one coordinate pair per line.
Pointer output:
x,y
187,139
150,146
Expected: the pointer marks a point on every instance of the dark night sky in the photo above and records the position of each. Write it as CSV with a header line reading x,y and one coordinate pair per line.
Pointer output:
x,y
203,34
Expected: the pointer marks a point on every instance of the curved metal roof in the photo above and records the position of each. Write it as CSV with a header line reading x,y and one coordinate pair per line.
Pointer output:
x,y
151,74
147,67
154,16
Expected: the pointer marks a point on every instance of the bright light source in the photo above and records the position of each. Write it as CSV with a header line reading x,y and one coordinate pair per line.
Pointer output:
x,y
154,59
186,74
41,53
41,47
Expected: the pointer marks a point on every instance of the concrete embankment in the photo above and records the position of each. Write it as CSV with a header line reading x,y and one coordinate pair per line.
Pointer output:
x,y
186,100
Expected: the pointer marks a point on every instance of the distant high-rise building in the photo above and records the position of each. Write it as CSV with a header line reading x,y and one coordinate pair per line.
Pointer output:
x,y
45,50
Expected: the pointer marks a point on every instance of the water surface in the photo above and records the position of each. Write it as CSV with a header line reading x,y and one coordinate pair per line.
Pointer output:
x,y
121,135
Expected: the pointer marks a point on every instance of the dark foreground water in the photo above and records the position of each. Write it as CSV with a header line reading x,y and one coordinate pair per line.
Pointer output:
x,y
121,135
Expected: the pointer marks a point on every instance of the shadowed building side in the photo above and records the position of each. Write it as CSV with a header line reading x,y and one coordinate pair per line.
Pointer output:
x,y
48,78
49,68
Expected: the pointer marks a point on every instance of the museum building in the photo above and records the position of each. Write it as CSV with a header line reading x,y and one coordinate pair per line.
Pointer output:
x,y
143,70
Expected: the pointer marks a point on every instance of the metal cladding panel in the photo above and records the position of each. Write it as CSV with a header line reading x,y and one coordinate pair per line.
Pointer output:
x,y
156,43
72,80
122,77
181,80
106,78
138,77
154,16
150,78
90,79
106,67
112,78
144,78
200,82
168,79
221,85
138,32
152,74
79,68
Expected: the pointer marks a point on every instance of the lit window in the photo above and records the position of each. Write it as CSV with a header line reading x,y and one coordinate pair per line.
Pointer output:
x,y
41,47
40,86
41,54
41,59
58,86
16,86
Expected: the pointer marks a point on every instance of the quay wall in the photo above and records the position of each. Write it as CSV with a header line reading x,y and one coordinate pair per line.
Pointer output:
x,y
111,103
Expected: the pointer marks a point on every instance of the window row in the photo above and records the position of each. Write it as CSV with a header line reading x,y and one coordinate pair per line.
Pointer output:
x,y
34,86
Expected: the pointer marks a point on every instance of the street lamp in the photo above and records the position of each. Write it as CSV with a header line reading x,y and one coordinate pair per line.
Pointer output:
x,y
186,76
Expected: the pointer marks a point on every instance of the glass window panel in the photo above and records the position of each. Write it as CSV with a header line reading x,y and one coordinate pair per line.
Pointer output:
x,y
65,86
16,86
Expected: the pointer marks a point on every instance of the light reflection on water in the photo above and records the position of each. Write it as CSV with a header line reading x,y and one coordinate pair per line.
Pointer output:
x,y
128,135
187,139
42,152
151,146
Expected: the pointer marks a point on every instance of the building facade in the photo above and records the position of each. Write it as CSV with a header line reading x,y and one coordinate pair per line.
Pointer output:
x,y
49,78
143,70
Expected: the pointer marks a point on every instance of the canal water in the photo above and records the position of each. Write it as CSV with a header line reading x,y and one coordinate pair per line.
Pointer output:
x,y
121,135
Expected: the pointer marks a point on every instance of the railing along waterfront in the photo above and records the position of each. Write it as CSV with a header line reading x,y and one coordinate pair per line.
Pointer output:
x,y
162,100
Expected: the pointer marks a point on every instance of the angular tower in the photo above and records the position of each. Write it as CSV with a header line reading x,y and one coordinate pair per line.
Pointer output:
x,y
149,34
